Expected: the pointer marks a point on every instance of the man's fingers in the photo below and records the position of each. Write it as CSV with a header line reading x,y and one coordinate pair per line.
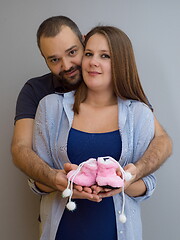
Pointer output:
x,y
68,167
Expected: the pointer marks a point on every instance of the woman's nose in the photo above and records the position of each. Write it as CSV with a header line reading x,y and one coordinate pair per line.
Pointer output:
x,y
94,61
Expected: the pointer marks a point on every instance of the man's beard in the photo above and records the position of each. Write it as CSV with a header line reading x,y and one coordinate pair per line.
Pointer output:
x,y
67,84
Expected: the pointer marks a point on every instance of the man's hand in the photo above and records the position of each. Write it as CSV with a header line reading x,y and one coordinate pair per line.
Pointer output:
x,y
130,168
67,168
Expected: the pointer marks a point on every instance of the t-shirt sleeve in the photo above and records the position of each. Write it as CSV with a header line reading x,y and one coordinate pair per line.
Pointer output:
x,y
27,103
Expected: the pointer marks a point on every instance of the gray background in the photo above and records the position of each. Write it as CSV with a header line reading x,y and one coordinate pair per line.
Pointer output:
x,y
154,28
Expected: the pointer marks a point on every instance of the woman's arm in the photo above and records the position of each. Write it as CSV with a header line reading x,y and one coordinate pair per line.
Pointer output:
x,y
136,189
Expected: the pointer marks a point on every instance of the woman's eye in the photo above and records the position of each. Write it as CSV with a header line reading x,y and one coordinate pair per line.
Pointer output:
x,y
87,54
105,56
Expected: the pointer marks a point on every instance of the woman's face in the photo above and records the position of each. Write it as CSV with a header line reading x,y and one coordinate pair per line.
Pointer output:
x,y
96,64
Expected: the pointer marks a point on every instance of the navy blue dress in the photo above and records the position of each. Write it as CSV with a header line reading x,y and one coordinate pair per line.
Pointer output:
x,y
90,220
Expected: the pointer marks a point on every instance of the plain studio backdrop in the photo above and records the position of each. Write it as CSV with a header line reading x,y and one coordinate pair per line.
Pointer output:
x,y
154,29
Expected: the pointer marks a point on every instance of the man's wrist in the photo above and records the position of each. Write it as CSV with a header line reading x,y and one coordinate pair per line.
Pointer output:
x,y
43,188
52,178
139,170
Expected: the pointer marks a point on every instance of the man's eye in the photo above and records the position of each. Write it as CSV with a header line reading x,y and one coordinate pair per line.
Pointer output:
x,y
73,52
105,56
55,60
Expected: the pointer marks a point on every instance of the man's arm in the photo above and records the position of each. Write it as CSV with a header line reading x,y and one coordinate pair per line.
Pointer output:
x,y
29,162
47,178
158,151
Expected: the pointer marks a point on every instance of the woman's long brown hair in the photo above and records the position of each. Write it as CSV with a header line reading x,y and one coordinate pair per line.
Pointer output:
x,y
125,76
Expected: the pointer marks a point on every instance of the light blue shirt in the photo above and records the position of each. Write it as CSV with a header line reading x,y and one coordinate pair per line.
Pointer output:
x,y
53,121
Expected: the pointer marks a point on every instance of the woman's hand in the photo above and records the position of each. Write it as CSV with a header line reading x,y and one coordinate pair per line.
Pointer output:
x,y
80,192
84,195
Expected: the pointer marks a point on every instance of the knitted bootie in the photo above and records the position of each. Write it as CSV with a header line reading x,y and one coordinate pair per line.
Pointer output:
x,y
85,174
102,172
106,176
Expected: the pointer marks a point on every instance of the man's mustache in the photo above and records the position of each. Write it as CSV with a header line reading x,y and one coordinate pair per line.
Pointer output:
x,y
70,70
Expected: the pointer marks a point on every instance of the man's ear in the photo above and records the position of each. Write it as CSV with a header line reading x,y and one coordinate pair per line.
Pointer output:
x,y
83,38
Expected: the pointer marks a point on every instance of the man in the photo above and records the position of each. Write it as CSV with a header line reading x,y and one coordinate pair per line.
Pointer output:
x,y
61,45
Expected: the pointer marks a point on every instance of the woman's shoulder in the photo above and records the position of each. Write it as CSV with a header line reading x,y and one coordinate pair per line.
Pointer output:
x,y
134,104
142,113
140,108
135,109
51,99
50,105
140,105
57,98
53,104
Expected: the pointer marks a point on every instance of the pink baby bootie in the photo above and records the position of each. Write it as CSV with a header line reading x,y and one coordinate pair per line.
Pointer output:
x,y
101,172
85,174
106,176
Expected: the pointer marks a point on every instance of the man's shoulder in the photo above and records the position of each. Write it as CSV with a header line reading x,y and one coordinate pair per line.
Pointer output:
x,y
31,93
39,86
40,80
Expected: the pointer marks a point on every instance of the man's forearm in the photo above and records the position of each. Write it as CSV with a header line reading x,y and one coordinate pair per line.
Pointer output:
x,y
33,166
158,151
25,158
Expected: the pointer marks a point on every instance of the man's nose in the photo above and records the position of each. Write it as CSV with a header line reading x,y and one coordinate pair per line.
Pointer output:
x,y
65,65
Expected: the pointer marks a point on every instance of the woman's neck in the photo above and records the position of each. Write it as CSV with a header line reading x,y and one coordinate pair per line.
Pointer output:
x,y
97,99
